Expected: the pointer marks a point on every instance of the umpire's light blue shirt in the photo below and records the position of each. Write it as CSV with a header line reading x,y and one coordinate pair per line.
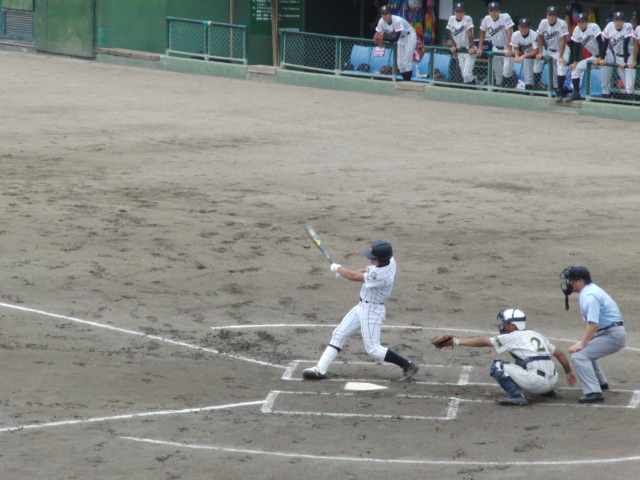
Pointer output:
x,y
596,306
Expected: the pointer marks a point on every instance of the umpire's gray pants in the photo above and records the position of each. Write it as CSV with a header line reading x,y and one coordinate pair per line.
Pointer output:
x,y
585,361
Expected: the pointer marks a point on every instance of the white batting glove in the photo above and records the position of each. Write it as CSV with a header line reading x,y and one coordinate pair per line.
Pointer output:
x,y
335,267
456,342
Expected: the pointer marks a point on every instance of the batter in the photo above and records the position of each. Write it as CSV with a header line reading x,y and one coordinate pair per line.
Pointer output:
x,y
368,315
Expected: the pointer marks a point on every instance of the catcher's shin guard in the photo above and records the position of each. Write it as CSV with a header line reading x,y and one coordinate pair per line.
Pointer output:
x,y
505,381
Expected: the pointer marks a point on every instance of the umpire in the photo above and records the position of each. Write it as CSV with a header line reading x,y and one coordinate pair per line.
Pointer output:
x,y
604,333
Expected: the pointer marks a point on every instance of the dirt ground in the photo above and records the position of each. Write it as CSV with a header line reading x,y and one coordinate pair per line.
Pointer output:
x,y
148,215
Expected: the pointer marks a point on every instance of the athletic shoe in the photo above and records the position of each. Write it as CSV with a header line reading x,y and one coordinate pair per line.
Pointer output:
x,y
559,96
591,398
409,372
516,400
604,386
313,374
551,394
575,96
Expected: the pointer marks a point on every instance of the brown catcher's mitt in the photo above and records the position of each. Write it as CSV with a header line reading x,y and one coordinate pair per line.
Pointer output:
x,y
443,341
378,39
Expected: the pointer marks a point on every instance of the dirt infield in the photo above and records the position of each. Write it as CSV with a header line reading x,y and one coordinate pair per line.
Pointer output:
x,y
160,296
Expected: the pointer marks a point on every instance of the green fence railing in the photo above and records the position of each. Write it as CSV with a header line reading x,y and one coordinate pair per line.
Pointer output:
x,y
337,55
207,40
609,83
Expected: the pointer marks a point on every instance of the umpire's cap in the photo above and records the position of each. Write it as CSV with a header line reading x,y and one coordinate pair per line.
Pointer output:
x,y
577,273
582,17
552,11
494,6
380,250
385,9
524,22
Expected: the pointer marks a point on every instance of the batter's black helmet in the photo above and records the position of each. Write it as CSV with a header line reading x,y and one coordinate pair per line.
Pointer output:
x,y
380,250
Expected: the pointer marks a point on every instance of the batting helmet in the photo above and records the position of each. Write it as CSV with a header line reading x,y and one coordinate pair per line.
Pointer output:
x,y
380,250
511,315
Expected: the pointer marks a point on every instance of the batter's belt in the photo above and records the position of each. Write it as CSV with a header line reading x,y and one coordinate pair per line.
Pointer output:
x,y
372,303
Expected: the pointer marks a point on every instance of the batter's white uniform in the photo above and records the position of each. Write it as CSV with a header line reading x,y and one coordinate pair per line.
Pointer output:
x,y
368,315
552,35
497,33
527,44
588,38
460,34
537,376
406,43
615,54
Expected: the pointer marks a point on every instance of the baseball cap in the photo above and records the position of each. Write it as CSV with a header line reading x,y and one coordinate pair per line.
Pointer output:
x,y
552,10
524,22
385,9
583,17
618,15
494,6
459,7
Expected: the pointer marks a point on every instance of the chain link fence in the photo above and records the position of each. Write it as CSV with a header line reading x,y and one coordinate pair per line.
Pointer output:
x,y
337,55
206,40
609,83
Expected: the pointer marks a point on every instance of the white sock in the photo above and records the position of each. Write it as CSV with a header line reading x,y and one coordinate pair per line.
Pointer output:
x,y
329,355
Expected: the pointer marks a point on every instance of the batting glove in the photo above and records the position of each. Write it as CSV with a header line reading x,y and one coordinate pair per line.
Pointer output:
x,y
335,267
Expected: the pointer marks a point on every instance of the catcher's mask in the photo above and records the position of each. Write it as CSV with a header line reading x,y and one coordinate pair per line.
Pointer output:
x,y
380,250
570,274
511,315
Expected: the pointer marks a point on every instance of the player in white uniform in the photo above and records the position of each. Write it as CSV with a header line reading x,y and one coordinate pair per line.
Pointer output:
x,y
368,315
397,29
589,36
635,37
617,38
533,370
498,26
460,28
552,42
525,48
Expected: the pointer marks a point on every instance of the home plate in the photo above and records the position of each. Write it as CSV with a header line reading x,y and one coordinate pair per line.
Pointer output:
x,y
363,386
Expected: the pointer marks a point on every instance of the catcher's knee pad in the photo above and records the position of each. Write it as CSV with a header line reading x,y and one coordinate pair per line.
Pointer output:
x,y
497,369
506,382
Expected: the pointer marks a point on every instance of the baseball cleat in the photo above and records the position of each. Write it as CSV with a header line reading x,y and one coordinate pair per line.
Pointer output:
x,y
575,97
517,400
604,386
313,374
591,398
409,372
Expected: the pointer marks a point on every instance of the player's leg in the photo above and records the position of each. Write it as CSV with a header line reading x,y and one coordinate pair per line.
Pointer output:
x,y
530,380
349,325
371,325
499,371
498,67
576,77
607,73
538,66
629,76
585,362
560,76
469,65
528,74
508,73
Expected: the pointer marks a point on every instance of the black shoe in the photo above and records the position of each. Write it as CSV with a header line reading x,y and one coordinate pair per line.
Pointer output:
x,y
516,400
604,387
409,372
575,96
559,96
591,398
551,394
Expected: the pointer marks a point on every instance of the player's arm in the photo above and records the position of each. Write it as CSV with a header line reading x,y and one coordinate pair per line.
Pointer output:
x,y
636,46
563,47
483,34
575,53
353,275
533,53
476,342
540,47
392,37
625,52
589,333
454,47
509,32
472,44
564,361
603,43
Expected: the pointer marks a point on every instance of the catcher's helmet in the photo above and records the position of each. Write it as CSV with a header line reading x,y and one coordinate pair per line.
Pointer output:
x,y
380,250
570,274
511,315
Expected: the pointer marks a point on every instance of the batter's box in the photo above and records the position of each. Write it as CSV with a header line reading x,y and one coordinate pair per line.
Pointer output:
x,y
354,405
384,372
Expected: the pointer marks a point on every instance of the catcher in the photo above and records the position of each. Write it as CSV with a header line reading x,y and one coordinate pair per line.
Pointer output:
x,y
533,370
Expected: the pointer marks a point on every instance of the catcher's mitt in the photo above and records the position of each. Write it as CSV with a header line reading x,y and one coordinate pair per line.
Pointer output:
x,y
445,340
378,39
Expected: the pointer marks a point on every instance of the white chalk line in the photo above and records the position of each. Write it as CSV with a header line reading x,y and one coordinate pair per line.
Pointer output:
x,y
139,334
129,416
244,451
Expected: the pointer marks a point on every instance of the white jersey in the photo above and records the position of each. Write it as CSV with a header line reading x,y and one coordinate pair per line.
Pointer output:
x,y
553,33
378,283
616,37
525,344
398,24
459,30
588,37
527,44
497,30
636,33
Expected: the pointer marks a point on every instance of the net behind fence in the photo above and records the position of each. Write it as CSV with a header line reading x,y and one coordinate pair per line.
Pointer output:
x,y
207,40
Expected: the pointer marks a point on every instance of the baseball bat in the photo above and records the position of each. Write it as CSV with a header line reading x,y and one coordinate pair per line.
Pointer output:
x,y
316,239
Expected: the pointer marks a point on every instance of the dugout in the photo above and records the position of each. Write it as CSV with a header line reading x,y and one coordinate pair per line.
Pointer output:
x,y
79,27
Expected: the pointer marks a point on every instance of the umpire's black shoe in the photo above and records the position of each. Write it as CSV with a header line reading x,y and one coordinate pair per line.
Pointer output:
x,y
409,372
594,397
604,386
